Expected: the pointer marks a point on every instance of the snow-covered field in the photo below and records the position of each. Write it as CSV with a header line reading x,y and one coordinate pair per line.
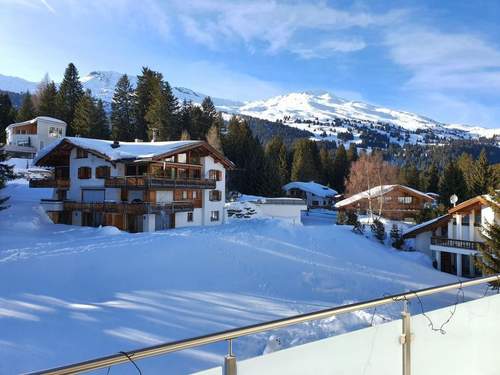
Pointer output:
x,y
71,293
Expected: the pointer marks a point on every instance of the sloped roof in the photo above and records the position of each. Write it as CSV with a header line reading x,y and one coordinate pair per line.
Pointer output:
x,y
426,226
129,150
35,120
480,199
311,187
378,191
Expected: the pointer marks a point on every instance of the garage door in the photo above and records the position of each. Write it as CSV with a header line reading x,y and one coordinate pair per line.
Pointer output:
x,y
93,195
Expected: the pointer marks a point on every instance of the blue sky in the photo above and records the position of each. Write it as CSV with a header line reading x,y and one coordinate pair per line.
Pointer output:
x,y
436,58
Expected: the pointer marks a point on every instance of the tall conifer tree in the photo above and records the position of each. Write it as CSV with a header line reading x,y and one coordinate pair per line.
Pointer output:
x,y
340,169
7,114
122,107
47,100
305,165
70,93
82,121
99,124
27,110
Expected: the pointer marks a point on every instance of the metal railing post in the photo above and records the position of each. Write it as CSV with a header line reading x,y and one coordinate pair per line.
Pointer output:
x,y
229,367
406,339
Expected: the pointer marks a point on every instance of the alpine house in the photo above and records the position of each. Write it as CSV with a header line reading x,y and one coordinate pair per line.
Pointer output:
x,y
135,186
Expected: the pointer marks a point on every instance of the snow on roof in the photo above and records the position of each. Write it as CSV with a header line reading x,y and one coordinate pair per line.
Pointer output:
x,y
378,191
311,187
35,120
126,150
417,227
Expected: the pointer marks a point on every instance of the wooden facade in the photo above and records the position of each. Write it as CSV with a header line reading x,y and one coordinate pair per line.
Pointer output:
x,y
399,203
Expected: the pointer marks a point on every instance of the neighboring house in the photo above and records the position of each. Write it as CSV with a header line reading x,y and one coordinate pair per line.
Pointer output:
x,y
453,240
395,202
25,139
315,195
138,187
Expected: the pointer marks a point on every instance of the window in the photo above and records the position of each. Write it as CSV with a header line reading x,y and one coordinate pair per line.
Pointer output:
x,y
81,154
102,171
84,173
387,198
195,173
55,132
465,220
170,159
214,175
215,195
405,200
195,194
182,173
477,219
190,217
184,195
214,216
182,158
194,158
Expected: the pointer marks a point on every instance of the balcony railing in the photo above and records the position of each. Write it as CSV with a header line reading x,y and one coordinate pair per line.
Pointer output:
x,y
49,183
151,182
137,208
461,244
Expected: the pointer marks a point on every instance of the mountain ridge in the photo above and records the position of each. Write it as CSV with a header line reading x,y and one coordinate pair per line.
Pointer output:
x,y
327,113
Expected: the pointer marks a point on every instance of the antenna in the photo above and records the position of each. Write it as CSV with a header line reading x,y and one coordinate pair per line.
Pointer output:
x,y
454,200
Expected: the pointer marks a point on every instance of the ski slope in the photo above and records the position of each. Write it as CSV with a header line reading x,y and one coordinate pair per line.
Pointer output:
x,y
71,293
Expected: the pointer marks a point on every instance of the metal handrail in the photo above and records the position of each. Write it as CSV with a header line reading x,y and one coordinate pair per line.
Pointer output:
x,y
234,333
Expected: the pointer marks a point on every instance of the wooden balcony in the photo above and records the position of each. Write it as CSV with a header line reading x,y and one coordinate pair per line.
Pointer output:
x,y
460,244
139,208
158,183
49,183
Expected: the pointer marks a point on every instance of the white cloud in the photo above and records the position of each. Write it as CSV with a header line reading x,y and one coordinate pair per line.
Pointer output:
x,y
441,61
309,29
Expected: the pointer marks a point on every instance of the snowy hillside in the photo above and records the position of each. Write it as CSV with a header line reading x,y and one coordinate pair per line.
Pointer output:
x,y
69,293
300,110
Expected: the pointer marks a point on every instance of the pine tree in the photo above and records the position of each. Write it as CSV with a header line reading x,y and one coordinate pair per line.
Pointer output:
x,y
340,168
430,179
122,115
352,153
70,93
305,165
162,114
246,151
396,237
7,114
82,121
465,162
184,116
378,230
489,261
452,182
481,175
99,124
277,165
327,167
6,173
409,176
208,118
213,137
148,88
27,110
47,99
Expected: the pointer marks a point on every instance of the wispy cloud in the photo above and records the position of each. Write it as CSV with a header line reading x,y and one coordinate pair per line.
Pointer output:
x,y
442,61
46,4
309,29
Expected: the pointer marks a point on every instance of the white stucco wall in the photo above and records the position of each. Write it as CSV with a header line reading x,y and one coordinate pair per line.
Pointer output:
x,y
291,212
208,164
92,161
181,218
42,138
423,242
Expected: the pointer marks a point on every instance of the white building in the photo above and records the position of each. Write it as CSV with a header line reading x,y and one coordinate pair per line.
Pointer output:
x,y
315,195
134,186
453,240
25,139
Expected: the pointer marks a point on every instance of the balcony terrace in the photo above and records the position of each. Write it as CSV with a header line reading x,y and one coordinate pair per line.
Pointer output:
x,y
49,183
150,182
457,244
138,208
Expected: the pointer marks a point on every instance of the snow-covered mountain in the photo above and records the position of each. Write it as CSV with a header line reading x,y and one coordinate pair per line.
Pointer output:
x,y
320,112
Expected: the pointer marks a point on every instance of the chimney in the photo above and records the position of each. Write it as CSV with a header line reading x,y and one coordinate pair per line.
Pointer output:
x,y
137,140
115,144
155,133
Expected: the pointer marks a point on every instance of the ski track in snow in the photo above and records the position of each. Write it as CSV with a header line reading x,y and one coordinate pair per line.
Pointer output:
x,y
72,293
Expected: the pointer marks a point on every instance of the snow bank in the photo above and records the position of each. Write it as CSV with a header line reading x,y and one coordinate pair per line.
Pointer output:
x,y
70,293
